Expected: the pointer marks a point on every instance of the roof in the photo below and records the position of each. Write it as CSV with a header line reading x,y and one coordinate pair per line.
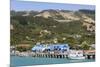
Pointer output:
x,y
50,46
89,51
59,45
38,47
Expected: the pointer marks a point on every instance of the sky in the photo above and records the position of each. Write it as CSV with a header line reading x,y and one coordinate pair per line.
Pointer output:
x,y
38,6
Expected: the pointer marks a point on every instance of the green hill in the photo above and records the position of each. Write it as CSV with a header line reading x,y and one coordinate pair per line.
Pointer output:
x,y
31,29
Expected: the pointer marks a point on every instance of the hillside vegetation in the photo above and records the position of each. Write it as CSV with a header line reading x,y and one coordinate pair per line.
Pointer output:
x,y
50,26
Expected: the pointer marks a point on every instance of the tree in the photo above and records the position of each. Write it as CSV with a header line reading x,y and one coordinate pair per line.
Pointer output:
x,y
72,42
85,45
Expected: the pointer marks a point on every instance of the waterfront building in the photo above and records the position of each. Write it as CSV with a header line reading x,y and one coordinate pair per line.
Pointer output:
x,y
51,47
59,47
38,48
89,54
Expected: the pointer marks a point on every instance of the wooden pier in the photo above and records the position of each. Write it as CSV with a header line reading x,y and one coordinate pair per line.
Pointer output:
x,y
51,55
87,53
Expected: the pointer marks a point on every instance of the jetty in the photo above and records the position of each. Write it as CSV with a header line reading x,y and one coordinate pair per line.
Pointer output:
x,y
52,55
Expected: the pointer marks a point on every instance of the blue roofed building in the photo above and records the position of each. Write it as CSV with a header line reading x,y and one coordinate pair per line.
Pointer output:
x,y
51,47
59,47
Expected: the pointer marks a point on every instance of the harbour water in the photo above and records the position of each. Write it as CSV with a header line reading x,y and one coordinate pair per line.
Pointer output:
x,y
28,61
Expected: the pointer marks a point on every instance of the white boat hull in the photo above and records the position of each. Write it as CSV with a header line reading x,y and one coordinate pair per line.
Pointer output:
x,y
76,58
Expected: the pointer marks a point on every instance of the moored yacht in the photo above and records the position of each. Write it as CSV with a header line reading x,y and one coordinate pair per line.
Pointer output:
x,y
76,54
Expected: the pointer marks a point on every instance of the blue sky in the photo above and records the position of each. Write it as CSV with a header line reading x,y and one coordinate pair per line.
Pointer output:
x,y
27,5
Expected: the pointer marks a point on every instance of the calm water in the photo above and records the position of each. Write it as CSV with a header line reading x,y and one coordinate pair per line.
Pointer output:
x,y
25,61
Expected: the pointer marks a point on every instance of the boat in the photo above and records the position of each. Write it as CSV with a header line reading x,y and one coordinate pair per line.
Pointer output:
x,y
77,58
76,54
